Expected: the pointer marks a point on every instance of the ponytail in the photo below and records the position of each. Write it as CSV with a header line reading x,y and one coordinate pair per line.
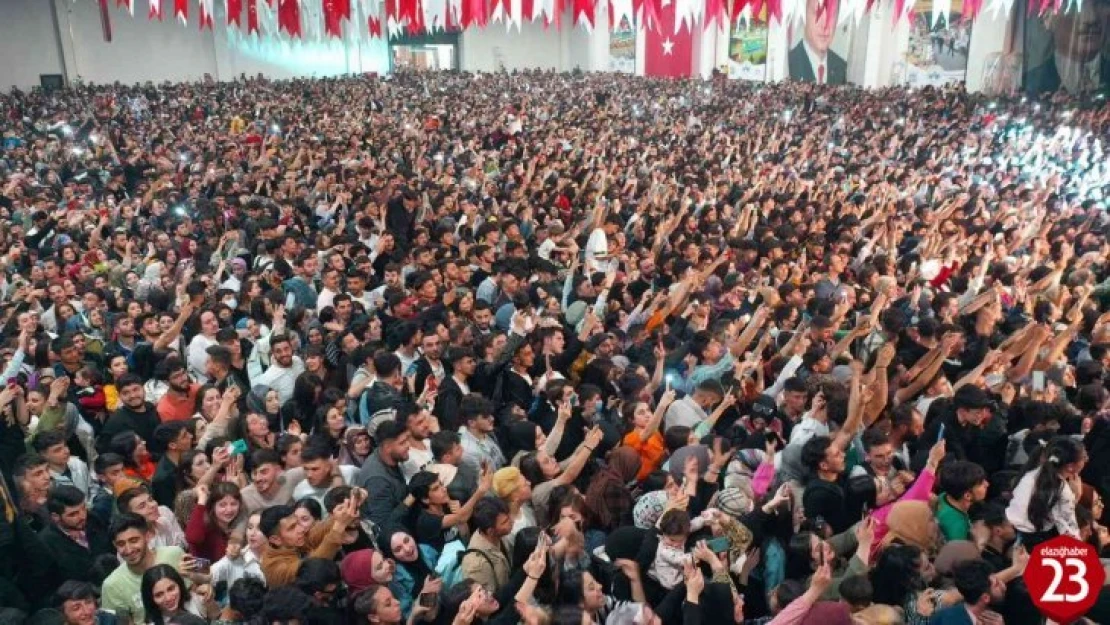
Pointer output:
x,y
1060,451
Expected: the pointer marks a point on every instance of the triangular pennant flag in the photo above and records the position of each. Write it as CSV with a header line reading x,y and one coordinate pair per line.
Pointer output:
x,y
335,11
130,4
737,9
252,17
155,10
714,14
583,12
181,10
375,26
206,14
234,13
289,17
620,10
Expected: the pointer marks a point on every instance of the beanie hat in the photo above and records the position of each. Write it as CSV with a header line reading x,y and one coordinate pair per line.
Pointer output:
x,y
734,502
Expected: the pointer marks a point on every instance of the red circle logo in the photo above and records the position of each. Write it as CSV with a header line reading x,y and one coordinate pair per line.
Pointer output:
x,y
1064,577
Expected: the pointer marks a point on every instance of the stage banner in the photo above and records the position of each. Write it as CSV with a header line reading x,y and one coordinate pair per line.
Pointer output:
x,y
821,47
622,47
1068,50
747,47
937,51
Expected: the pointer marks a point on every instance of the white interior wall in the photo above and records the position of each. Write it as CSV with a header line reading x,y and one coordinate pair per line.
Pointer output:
x,y
495,47
28,43
143,50
140,49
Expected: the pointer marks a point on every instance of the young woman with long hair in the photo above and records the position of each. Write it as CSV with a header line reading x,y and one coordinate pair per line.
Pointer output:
x,y
1043,504
164,595
213,519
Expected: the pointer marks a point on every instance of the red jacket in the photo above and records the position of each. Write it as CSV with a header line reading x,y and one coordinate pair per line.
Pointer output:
x,y
205,541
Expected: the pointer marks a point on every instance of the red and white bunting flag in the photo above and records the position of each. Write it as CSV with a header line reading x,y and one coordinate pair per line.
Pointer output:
x,y
335,11
474,13
375,27
687,14
206,14
583,13
234,13
620,10
289,17
155,10
669,49
181,10
252,17
714,14
130,4
435,15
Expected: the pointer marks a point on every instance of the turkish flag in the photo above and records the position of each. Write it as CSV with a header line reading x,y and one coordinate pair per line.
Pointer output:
x,y
667,52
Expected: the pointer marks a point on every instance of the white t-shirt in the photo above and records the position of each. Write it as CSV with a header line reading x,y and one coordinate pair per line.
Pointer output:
x,y
305,489
418,460
281,379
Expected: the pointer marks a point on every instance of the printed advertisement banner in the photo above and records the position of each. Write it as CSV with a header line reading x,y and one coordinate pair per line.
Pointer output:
x,y
622,47
937,52
747,47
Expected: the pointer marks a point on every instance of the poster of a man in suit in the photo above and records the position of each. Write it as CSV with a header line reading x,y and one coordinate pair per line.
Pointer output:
x,y
1069,50
817,55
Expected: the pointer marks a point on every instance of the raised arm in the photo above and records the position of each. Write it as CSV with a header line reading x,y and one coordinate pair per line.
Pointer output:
x,y
653,426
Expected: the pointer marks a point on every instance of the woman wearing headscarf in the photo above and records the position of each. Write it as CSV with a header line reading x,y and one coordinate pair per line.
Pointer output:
x,y
912,523
264,400
609,497
415,563
356,446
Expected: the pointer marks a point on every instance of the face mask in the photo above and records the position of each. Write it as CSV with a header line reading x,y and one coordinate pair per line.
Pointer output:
x,y
231,303
599,406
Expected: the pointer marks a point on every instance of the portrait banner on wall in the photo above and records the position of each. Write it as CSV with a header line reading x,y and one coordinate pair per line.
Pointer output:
x,y
747,47
1068,50
820,49
937,51
622,47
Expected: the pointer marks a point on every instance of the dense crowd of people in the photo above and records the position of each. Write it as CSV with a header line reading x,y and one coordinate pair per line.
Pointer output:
x,y
547,348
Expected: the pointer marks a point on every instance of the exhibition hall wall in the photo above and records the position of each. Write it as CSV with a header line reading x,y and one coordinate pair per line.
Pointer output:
x,y
871,49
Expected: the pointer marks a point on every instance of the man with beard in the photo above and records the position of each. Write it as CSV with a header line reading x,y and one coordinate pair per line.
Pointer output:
x,y
381,475
131,536
73,539
284,368
135,413
179,402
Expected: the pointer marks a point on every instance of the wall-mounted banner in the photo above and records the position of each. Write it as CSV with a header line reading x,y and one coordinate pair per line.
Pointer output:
x,y
622,47
1070,50
820,48
938,46
747,48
